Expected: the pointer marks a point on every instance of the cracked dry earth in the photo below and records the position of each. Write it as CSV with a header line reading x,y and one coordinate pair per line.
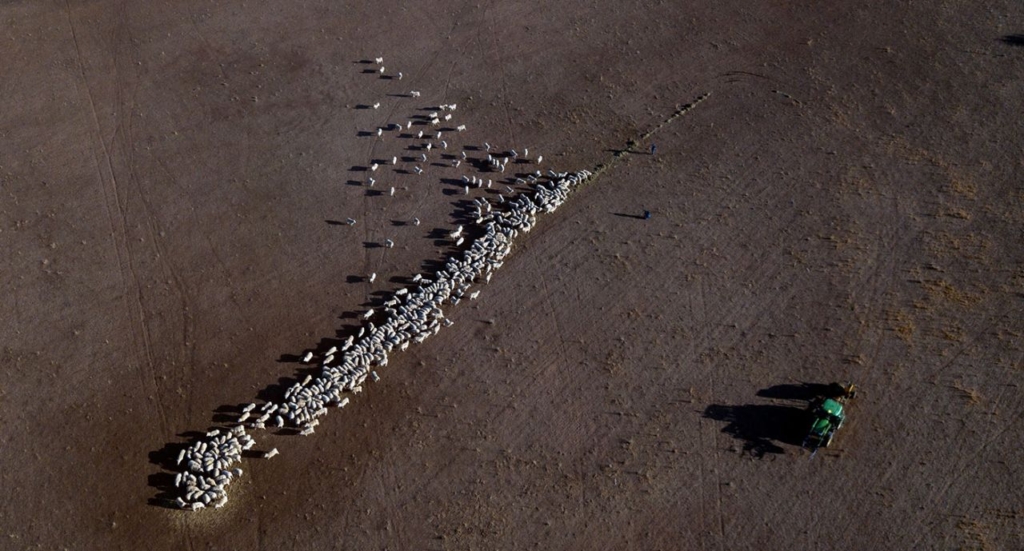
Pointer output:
x,y
846,205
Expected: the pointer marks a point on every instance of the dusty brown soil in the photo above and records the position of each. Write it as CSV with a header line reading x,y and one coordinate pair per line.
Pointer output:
x,y
846,205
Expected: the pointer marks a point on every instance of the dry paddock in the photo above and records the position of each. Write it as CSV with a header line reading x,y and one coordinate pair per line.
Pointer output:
x,y
846,205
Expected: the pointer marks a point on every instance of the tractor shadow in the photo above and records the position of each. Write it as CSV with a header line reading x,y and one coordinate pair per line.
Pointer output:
x,y
764,428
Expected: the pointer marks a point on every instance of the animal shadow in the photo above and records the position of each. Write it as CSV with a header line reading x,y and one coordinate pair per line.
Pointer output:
x,y
1013,39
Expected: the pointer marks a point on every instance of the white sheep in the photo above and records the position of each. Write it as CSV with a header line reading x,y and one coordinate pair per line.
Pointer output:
x,y
371,181
379,60
372,277
307,358
392,192
376,105
382,70
540,158
423,157
350,221
380,132
461,128
417,169
415,221
414,94
394,160
373,167
270,453
399,75
389,243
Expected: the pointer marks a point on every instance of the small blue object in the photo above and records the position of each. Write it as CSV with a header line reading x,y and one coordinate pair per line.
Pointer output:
x,y
647,215
654,149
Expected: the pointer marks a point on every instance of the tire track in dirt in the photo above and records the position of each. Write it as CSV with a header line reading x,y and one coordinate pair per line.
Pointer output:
x,y
130,284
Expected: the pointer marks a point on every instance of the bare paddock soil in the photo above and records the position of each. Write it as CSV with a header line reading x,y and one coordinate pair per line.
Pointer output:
x,y
846,206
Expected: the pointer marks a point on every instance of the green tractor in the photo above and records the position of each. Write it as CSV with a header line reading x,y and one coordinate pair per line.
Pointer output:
x,y
828,415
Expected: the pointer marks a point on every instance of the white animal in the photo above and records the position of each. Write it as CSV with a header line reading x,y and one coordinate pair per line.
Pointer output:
x,y
399,75
444,144
380,132
376,105
465,190
423,157
373,167
350,221
270,453
371,181
373,276
394,160
392,192
307,358
379,60
415,221
420,135
382,70
448,117
487,146
540,158
389,243
461,127
414,94
418,170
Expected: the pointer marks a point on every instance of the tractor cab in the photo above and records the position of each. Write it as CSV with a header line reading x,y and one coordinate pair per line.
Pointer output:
x,y
828,416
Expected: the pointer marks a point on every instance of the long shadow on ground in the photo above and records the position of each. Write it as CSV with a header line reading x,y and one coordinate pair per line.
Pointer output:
x,y
762,427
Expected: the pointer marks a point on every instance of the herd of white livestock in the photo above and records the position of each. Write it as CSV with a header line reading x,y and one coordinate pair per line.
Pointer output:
x,y
411,315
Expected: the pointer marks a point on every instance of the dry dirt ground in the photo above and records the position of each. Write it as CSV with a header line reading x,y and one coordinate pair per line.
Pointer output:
x,y
846,205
